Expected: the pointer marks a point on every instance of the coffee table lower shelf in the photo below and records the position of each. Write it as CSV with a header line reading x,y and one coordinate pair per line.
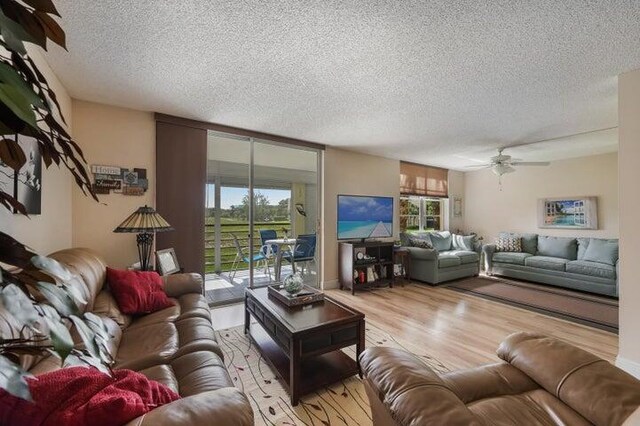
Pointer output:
x,y
316,372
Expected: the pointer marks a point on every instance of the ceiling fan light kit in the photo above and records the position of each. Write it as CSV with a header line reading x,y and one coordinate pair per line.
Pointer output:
x,y
502,164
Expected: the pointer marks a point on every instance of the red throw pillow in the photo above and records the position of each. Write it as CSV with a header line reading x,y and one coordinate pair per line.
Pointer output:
x,y
78,396
137,292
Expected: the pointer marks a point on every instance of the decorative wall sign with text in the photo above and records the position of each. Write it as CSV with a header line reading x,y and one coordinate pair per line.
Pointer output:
x,y
119,180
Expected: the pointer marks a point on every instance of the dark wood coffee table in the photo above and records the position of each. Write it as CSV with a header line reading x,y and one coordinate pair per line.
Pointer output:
x,y
302,344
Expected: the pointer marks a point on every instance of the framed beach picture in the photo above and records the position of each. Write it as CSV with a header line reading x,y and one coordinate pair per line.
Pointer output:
x,y
568,213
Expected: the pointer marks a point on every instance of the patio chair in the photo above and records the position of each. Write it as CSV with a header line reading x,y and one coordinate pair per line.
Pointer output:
x,y
242,256
268,234
304,251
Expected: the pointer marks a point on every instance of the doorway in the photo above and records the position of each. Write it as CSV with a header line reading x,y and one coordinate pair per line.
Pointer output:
x,y
259,192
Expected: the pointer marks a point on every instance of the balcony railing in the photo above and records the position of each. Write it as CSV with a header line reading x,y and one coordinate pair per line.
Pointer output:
x,y
228,250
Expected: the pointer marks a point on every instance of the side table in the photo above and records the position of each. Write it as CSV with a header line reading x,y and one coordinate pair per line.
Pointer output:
x,y
402,256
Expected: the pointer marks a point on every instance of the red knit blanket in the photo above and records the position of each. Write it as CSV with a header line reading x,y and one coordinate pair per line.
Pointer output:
x,y
78,396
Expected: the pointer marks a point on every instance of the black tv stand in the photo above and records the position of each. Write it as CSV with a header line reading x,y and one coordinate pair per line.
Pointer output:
x,y
379,264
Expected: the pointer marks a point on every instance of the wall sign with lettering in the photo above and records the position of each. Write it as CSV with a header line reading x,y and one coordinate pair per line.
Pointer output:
x,y
107,179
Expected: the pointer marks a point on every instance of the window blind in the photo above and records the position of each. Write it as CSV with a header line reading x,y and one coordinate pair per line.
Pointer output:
x,y
416,179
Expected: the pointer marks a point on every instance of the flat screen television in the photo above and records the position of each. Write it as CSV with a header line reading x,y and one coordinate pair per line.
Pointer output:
x,y
362,217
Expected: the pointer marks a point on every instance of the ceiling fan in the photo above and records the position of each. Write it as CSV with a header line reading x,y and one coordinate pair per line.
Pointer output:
x,y
502,164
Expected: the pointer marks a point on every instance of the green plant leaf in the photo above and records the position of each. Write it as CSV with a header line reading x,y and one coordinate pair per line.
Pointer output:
x,y
18,304
14,99
26,19
13,34
87,335
13,379
11,154
10,76
58,298
61,339
52,267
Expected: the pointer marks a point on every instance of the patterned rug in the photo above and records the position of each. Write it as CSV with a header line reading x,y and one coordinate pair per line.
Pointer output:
x,y
344,403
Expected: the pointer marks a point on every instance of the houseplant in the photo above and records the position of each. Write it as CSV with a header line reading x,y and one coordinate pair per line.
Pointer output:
x,y
29,107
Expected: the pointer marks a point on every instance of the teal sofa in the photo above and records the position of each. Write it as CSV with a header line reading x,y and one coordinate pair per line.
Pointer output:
x,y
585,264
453,256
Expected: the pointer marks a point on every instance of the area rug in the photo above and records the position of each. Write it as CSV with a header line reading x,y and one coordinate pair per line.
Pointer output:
x,y
583,308
344,403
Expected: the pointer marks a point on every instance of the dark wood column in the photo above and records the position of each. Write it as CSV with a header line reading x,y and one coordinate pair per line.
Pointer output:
x,y
181,173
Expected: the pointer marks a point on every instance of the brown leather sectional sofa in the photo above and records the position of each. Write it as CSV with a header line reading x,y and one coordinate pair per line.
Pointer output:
x,y
175,346
542,381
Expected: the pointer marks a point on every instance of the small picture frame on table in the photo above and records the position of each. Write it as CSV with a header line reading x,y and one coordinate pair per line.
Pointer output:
x,y
167,262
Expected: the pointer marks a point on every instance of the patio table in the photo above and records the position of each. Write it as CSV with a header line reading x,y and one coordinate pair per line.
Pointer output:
x,y
281,243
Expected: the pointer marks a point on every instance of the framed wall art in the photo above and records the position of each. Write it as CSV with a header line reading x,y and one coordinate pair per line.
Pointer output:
x,y
568,213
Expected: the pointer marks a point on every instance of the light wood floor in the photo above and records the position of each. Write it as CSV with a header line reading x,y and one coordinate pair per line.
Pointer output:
x,y
459,330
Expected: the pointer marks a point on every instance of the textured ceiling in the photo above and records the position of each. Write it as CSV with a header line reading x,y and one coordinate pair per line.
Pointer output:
x,y
436,81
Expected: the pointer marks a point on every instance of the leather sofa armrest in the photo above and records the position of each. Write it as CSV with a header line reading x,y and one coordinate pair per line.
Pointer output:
x,y
422,253
488,381
226,406
487,255
177,285
410,391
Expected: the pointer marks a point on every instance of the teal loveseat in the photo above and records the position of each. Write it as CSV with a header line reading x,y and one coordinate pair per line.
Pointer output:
x,y
452,256
586,264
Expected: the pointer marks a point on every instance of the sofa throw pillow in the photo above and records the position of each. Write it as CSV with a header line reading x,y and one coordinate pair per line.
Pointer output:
x,y
137,292
564,247
77,396
463,242
441,241
420,243
513,244
602,251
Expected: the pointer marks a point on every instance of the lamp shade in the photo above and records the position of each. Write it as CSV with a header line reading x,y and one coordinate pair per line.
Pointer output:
x,y
146,220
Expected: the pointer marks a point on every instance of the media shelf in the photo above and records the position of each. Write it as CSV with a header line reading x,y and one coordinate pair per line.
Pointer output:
x,y
377,271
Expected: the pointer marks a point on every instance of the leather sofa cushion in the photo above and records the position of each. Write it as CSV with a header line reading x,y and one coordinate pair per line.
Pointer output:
x,y
465,256
88,265
600,392
191,374
106,306
602,251
510,257
593,269
446,260
546,262
536,407
146,344
566,248
529,241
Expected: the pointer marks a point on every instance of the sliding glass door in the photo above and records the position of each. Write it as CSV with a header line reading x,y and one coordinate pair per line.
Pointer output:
x,y
261,214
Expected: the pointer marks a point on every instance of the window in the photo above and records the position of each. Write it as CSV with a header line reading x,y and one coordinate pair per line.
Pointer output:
x,y
422,213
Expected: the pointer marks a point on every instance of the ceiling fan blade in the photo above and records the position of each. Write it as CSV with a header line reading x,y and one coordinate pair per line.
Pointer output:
x,y
530,163
478,166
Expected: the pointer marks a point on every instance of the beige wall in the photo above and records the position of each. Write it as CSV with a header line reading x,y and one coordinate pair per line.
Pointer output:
x,y
347,172
629,175
51,230
456,189
115,137
487,210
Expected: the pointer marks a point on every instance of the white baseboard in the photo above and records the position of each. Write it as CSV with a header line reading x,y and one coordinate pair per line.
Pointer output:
x,y
327,285
629,366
